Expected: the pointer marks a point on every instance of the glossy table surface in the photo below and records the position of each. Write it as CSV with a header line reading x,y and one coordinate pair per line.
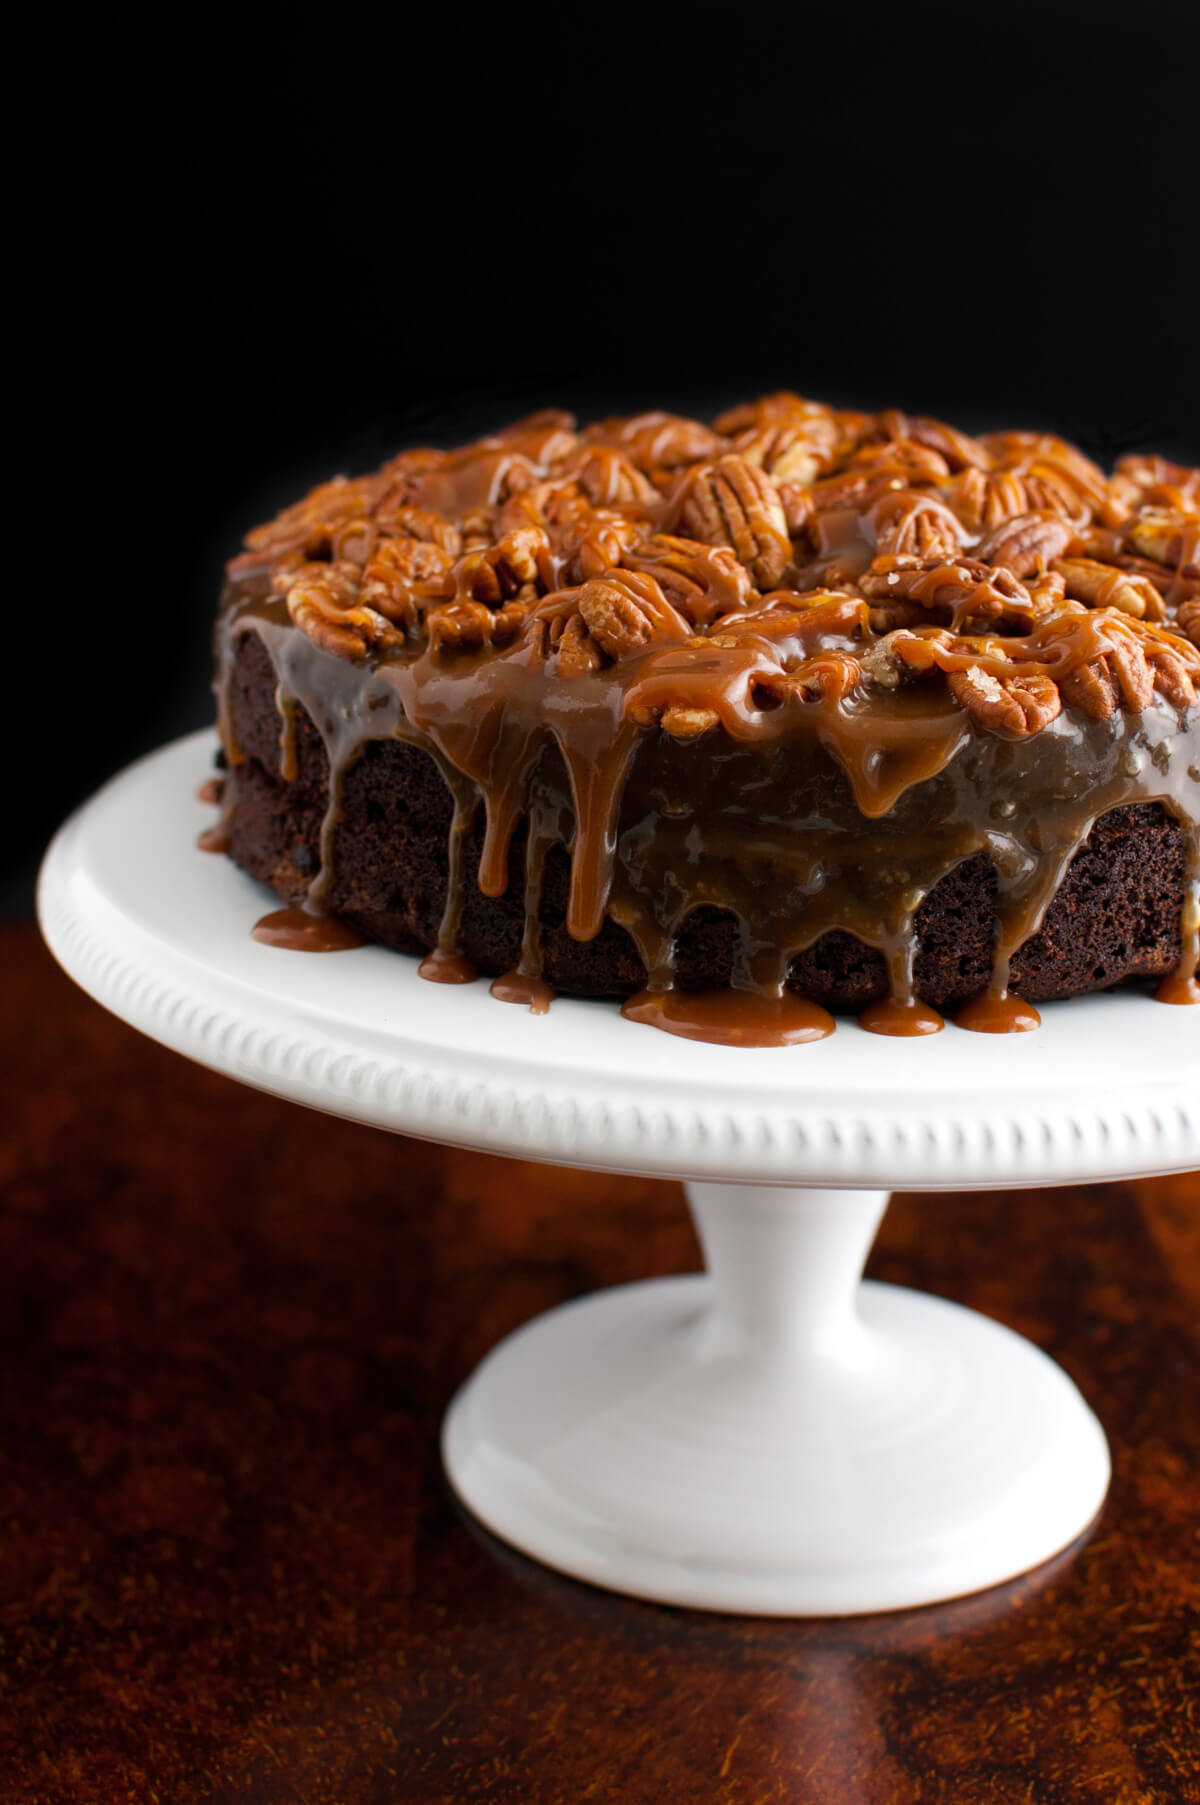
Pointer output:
x,y
231,1569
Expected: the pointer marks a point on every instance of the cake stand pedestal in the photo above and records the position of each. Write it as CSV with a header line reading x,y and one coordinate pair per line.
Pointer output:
x,y
775,1436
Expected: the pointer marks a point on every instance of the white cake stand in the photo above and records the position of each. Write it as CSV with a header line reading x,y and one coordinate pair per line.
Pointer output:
x,y
775,1436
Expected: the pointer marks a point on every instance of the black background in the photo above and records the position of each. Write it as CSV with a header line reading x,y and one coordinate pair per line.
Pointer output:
x,y
262,252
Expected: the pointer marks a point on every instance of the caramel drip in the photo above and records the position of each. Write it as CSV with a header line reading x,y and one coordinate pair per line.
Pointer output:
x,y
901,1013
221,791
520,987
321,888
285,702
298,931
900,1018
444,966
543,829
997,1012
597,787
731,1018
450,929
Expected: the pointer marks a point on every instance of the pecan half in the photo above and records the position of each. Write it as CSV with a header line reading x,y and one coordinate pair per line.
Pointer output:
x,y
732,503
957,449
310,524
1156,478
899,656
323,601
964,593
1168,536
609,479
1027,544
829,677
627,611
1013,706
1103,586
903,458
688,723
465,625
792,451
403,576
603,542
782,408
911,524
576,653
515,566
659,443
1176,675
1121,677
1188,619
704,582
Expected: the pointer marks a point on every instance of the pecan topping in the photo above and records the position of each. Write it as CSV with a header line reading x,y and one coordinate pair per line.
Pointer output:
x,y
732,503
819,551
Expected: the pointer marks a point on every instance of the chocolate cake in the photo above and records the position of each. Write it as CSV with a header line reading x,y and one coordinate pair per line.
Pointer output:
x,y
808,710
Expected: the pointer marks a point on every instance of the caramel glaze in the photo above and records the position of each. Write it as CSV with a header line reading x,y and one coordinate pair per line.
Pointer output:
x,y
302,931
801,819
822,757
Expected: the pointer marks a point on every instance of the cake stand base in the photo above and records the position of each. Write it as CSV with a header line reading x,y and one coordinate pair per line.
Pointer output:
x,y
777,1438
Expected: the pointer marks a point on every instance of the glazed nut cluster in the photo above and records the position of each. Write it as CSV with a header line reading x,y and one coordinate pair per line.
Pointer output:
x,y
851,551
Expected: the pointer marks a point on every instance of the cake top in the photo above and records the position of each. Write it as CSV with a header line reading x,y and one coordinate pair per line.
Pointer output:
x,y
789,553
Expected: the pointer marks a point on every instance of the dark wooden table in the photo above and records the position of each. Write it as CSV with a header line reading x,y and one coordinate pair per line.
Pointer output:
x,y
230,1567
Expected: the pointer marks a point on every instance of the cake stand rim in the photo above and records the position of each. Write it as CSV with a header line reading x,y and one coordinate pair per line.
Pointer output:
x,y
155,977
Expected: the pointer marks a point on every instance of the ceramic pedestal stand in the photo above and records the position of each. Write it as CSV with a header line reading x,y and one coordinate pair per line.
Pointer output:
x,y
772,1437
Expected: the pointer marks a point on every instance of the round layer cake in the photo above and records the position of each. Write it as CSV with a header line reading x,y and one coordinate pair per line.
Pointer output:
x,y
805,704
